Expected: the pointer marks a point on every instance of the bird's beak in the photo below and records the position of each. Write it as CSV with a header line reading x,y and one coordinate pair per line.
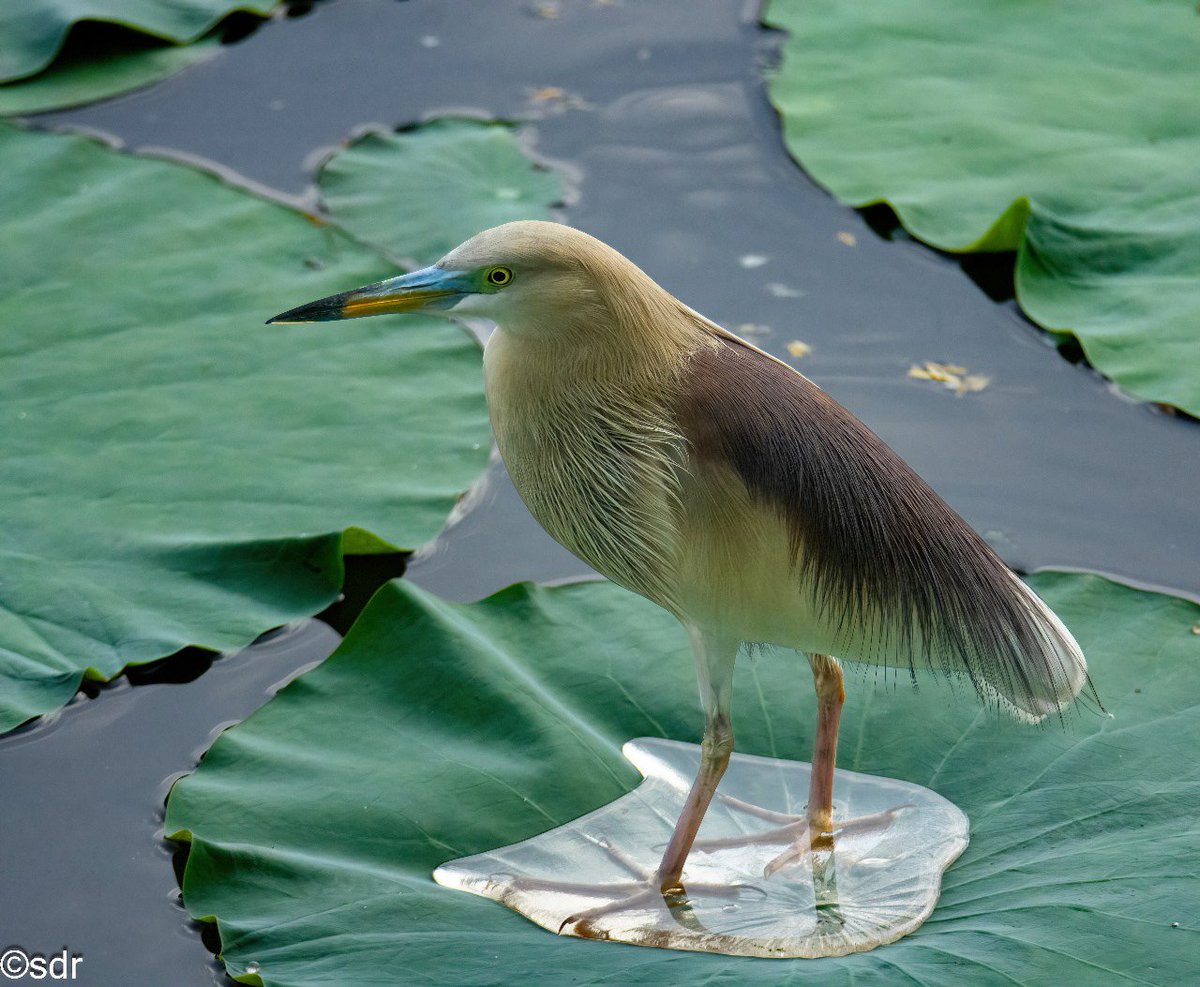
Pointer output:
x,y
428,288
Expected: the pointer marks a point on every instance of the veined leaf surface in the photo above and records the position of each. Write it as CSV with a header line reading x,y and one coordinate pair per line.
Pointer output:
x,y
437,731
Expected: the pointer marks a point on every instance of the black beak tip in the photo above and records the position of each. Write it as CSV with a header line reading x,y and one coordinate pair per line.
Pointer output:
x,y
322,310
292,315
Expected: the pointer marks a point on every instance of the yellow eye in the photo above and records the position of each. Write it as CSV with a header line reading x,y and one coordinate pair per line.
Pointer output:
x,y
499,276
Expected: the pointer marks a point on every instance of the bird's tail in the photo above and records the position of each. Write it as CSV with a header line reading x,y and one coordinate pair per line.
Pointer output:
x,y
1050,673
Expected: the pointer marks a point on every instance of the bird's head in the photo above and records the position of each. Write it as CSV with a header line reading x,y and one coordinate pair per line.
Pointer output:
x,y
524,275
534,279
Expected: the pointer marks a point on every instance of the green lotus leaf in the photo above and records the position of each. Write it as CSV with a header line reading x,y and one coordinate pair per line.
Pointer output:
x,y
422,198
439,730
175,472
32,32
104,62
1066,130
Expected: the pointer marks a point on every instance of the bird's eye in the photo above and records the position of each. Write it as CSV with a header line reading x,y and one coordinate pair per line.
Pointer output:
x,y
499,276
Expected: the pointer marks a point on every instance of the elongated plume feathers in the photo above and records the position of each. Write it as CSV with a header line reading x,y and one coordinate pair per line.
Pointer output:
x,y
902,578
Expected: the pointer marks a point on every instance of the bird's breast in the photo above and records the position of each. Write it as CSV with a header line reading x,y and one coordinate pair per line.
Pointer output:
x,y
603,464
595,457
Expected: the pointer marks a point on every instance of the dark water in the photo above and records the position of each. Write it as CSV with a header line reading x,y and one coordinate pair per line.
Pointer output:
x,y
84,863
678,163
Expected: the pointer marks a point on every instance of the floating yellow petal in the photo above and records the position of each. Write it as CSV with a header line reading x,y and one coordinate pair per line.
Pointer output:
x,y
951,375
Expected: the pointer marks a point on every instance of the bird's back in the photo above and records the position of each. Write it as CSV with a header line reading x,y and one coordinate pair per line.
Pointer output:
x,y
813,533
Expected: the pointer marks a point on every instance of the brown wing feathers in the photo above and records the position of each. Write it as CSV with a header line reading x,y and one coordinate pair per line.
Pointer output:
x,y
880,550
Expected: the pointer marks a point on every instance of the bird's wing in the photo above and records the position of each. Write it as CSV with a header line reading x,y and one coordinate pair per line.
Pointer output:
x,y
879,550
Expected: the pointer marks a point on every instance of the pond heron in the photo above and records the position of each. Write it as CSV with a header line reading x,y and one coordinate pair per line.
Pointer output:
x,y
691,467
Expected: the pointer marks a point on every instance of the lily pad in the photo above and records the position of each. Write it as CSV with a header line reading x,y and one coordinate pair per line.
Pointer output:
x,y
437,731
99,62
176,473
1067,131
422,198
33,31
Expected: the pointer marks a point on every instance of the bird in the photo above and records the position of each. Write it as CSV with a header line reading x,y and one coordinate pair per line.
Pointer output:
x,y
695,469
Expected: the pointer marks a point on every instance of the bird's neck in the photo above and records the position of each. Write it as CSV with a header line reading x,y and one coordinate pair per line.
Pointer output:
x,y
587,431
633,333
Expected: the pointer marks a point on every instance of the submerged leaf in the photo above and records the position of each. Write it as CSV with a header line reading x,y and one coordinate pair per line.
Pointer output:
x,y
176,473
1067,130
437,731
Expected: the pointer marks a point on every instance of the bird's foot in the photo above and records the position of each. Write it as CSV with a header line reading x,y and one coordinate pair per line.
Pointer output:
x,y
804,835
648,891
645,891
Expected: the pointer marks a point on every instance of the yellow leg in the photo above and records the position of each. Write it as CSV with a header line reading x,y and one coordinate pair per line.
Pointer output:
x,y
816,830
812,834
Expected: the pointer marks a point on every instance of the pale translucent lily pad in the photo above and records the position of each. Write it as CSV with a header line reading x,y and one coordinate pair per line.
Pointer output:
x,y
594,876
1067,131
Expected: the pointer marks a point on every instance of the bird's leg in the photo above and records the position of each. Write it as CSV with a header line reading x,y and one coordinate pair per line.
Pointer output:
x,y
715,659
831,694
816,831
827,676
714,758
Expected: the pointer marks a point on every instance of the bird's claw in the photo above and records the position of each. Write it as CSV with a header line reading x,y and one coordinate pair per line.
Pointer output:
x,y
803,836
